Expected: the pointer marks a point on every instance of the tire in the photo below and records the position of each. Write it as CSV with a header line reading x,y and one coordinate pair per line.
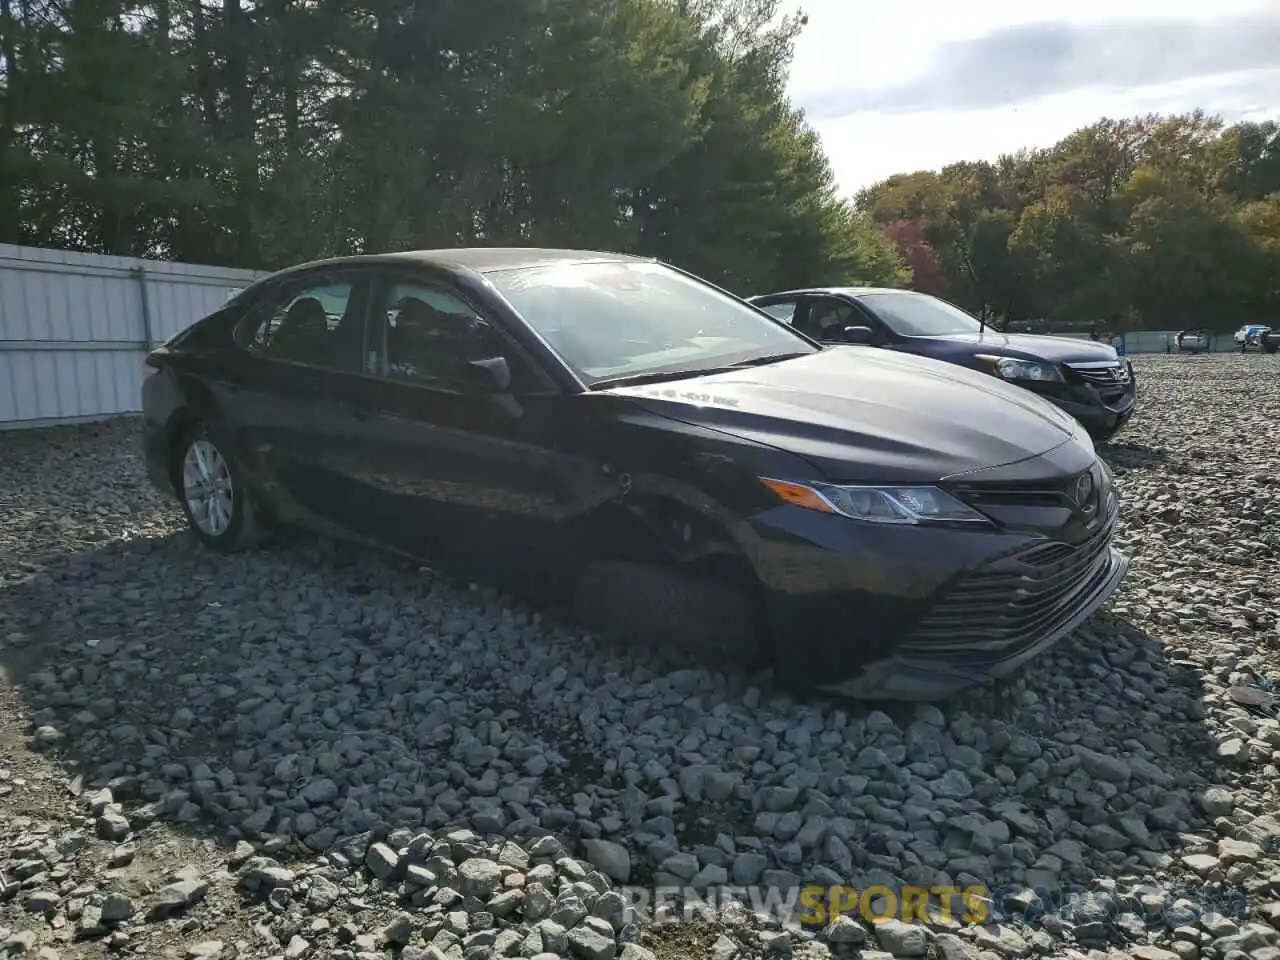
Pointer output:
x,y
712,617
1270,347
226,520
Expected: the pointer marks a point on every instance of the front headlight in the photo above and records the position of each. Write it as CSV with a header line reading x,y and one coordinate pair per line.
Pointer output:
x,y
1107,495
1009,368
910,505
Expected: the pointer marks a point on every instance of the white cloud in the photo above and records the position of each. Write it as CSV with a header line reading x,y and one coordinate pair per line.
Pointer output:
x,y
852,53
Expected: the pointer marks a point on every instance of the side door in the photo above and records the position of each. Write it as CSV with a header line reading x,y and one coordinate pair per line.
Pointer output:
x,y
442,461
302,338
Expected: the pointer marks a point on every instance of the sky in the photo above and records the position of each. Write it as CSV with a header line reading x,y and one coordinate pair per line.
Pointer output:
x,y
900,85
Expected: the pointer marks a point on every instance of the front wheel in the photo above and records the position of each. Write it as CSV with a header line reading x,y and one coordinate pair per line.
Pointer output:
x,y
213,494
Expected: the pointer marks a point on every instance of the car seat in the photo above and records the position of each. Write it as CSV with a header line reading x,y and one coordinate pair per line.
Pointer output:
x,y
304,331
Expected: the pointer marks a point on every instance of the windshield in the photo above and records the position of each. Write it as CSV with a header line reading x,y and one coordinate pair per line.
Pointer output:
x,y
919,315
622,319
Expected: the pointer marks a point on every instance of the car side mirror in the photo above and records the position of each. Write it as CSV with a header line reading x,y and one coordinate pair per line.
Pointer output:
x,y
491,375
856,335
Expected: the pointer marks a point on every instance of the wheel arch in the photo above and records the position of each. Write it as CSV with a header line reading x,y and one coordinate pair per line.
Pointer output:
x,y
197,408
661,571
666,531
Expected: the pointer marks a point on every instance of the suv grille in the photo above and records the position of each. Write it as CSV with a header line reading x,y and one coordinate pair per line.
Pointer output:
x,y
1012,602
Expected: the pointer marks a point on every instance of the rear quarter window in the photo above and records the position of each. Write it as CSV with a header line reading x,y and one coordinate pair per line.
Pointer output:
x,y
215,330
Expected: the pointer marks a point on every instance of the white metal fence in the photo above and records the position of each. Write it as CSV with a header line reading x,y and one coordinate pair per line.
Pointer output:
x,y
75,327
1160,341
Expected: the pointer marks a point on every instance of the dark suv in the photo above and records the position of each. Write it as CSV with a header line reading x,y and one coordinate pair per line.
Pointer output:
x,y
1088,380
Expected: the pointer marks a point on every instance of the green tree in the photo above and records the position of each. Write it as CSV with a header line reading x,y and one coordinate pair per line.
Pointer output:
x,y
263,132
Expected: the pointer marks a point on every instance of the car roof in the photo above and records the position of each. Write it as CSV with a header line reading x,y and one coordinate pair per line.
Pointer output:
x,y
479,259
838,292
484,259
460,260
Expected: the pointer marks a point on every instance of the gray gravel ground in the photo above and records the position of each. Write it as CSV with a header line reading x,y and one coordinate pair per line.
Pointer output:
x,y
317,751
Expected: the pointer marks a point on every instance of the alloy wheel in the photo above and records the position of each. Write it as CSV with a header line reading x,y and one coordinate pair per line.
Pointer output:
x,y
207,486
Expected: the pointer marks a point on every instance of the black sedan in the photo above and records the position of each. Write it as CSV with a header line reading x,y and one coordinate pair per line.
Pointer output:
x,y
1086,379
674,462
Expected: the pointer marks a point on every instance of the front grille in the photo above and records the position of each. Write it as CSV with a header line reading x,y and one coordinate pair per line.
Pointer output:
x,y
1039,493
989,497
1111,380
987,615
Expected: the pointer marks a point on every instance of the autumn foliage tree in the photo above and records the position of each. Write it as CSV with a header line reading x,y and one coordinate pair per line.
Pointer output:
x,y
1155,221
927,274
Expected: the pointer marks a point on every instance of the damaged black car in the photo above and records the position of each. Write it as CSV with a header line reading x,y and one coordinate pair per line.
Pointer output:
x,y
681,467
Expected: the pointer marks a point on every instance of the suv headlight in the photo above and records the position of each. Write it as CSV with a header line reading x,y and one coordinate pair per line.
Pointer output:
x,y
1009,368
909,505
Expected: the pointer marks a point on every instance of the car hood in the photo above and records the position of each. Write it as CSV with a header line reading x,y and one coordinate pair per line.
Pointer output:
x,y
1026,346
867,415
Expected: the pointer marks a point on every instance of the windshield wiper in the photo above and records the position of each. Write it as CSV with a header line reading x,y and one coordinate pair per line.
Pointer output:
x,y
658,376
769,358
636,379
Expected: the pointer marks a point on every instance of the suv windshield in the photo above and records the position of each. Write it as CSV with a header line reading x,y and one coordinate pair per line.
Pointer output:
x,y
623,319
919,315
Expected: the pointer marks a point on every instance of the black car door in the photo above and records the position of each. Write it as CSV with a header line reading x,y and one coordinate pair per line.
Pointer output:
x,y
297,342
438,462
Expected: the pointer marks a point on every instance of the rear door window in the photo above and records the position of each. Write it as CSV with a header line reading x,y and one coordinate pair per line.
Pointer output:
x,y
318,322
784,311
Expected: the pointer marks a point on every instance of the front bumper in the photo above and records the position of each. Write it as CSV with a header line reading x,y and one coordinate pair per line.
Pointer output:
x,y
1101,404
1099,417
921,675
155,452
919,613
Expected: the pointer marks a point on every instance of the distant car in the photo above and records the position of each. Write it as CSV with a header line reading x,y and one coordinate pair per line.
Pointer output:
x,y
1192,341
1249,337
1087,379
653,446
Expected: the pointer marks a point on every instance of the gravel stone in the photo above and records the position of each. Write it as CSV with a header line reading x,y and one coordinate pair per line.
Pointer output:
x,y
382,861
177,897
116,908
902,939
360,738
612,859
478,878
